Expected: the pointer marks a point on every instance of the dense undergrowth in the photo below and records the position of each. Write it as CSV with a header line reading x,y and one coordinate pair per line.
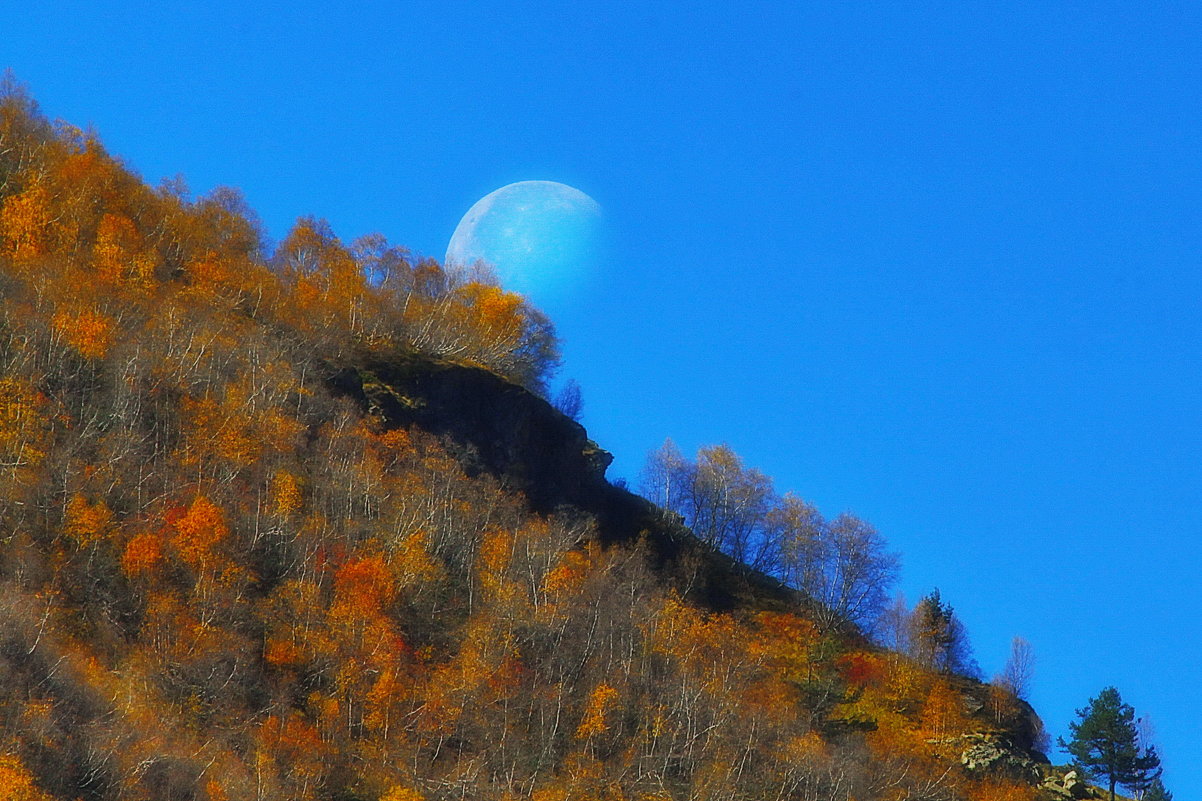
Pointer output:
x,y
219,579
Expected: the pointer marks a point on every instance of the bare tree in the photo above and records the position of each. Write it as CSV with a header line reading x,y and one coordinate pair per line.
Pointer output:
x,y
665,475
727,504
570,401
843,563
1019,669
858,572
893,625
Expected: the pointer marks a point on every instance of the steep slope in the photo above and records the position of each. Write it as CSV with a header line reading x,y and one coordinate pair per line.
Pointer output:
x,y
495,427
270,529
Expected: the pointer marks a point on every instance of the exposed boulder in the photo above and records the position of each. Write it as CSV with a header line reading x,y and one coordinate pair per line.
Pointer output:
x,y
1068,785
995,755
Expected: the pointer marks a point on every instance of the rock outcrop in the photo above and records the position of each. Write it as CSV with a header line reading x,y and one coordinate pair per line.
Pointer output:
x,y
995,755
1067,785
494,426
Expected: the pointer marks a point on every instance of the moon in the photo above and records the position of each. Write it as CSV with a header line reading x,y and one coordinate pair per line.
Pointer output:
x,y
541,237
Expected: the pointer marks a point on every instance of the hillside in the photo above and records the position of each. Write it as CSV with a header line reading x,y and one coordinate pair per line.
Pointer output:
x,y
299,524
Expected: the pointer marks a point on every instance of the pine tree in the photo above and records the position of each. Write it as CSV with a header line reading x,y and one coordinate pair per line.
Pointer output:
x,y
1105,743
1156,792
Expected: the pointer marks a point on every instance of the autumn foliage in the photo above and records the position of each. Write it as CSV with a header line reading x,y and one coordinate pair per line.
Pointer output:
x,y
222,580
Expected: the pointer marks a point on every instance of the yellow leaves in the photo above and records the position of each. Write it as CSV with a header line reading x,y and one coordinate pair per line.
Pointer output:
x,y
805,748
492,320
16,783
277,430
88,330
943,712
117,255
566,578
702,642
499,311
25,223
295,741
496,549
212,275
412,561
771,698
599,703
23,425
219,430
286,493
401,793
550,794
236,428
783,640
393,447
87,522
385,692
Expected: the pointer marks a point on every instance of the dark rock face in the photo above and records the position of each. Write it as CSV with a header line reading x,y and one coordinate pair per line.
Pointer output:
x,y
491,425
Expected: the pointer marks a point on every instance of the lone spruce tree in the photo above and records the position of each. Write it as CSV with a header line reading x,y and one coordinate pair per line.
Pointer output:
x,y
1105,744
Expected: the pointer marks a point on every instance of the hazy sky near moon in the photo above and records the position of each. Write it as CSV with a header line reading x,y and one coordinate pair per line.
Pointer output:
x,y
542,238
936,263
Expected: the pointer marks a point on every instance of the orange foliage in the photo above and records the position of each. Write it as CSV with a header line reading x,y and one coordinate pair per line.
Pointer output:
x,y
496,549
376,613
215,791
25,222
599,703
87,330
565,579
220,429
943,712
116,253
861,669
1000,790
362,587
142,554
783,640
87,522
282,653
16,783
400,793
198,529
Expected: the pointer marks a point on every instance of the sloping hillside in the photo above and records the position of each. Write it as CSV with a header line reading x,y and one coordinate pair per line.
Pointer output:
x,y
298,525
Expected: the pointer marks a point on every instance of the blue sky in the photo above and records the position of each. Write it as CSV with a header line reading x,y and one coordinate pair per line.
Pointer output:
x,y
935,263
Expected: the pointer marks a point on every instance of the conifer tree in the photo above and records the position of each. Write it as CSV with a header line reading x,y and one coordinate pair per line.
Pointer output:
x,y
1157,792
1105,743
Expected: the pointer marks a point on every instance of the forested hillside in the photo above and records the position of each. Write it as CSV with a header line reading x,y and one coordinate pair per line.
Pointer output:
x,y
296,523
